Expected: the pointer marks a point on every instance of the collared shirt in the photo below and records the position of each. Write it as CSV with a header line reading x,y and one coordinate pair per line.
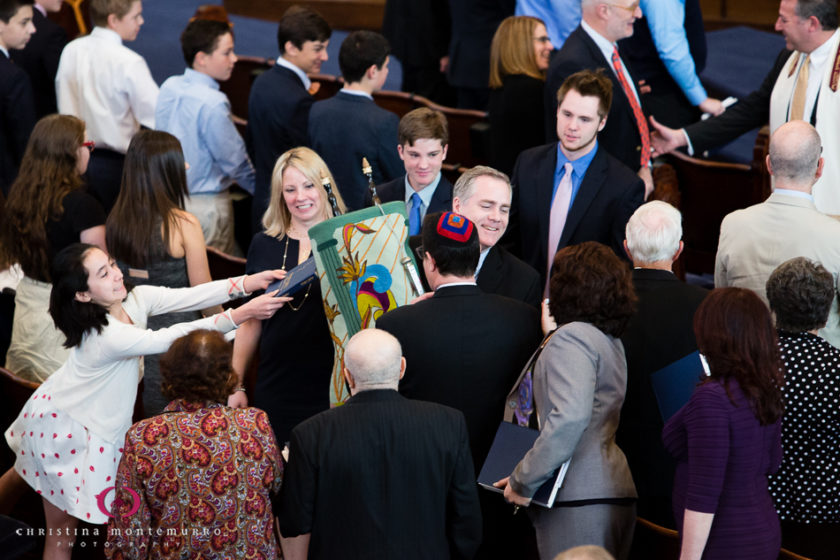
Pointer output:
x,y
450,284
606,47
425,195
356,92
797,194
481,258
307,83
666,21
192,108
559,16
579,167
41,9
816,72
108,86
4,51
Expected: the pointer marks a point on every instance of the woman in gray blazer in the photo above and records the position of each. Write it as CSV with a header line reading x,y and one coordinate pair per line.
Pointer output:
x,y
578,383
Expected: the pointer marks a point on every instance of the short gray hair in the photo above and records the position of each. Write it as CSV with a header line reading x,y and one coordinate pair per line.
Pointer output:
x,y
653,232
465,185
373,357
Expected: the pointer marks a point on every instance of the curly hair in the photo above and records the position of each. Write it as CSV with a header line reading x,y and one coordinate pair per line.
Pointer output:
x,y
589,283
800,292
735,333
197,367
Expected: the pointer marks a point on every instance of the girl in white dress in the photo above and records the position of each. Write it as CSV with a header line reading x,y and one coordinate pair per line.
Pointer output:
x,y
68,437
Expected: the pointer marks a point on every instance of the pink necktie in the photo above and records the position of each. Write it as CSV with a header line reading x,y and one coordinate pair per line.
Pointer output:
x,y
557,218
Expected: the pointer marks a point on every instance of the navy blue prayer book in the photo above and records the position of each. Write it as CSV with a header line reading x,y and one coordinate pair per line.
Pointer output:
x,y
510,445
296,279
674,384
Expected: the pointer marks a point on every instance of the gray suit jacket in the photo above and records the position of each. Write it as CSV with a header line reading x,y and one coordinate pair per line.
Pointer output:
x,y
579,383
755,240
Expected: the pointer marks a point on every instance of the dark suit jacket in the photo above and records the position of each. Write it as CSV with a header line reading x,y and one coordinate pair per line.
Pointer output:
x,y
39,59
278,117
517,117
17,117
608,196
382,477
620,136
750,112
395,190
659,334
474,22
346,128
464,348
502,274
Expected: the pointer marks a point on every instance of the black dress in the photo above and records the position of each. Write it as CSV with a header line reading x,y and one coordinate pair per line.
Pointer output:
x,y
517,120
296,351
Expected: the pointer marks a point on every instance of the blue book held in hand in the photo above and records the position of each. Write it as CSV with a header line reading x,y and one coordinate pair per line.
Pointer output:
x,y
674,384
510,445
296,279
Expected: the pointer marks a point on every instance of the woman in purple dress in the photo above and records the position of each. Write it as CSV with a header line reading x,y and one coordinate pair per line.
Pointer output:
x,y
727,439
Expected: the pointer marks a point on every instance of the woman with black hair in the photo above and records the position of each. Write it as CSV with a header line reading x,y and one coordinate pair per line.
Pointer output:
x,y
68,437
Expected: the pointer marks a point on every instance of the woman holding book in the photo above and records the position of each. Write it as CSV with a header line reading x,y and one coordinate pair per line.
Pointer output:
x,y
573,392
295,348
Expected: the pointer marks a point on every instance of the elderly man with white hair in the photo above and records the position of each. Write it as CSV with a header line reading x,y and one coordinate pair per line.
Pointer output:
x,y
659,334
381,476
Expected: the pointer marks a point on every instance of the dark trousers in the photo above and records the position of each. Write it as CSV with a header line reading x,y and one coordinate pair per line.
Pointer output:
x,y
104,176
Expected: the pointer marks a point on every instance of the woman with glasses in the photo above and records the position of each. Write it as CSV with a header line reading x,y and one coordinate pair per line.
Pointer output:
x,y
47,209
519,57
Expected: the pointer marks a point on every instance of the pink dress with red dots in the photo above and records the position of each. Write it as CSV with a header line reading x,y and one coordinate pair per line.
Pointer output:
x,y
68,438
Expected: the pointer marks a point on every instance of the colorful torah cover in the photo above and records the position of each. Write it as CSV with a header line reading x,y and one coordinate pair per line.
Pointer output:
x,y
364,265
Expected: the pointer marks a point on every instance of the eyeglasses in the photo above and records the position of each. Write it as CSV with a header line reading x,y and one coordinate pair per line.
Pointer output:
x,y
90,145
631,8
420,252
543,39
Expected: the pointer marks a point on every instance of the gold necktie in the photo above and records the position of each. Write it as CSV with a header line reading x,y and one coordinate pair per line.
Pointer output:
x,y
797,105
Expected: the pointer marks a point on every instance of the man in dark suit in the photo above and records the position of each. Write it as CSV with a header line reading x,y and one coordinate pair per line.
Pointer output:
x,y
39,58
381,476
464,348
423,136
279,102
17,108
659,334
350,126
483,195
591,46
572,191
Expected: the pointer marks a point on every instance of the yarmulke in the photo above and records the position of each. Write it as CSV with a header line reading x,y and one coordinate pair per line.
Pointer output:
x,y
455,227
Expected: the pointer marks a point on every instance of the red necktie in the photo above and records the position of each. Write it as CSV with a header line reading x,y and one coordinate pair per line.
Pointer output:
x,y
641,123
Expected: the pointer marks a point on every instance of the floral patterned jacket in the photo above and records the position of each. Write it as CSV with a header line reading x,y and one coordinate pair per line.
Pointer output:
x,y
196,482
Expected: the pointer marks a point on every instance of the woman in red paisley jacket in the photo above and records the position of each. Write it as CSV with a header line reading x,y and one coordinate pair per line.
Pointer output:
x,y
197,480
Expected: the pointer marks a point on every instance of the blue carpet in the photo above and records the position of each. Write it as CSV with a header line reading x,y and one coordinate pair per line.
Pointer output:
x,y
158,41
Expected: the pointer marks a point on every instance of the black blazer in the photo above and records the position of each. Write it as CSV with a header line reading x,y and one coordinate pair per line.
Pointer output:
x,y
382,477
39,59
750,112
620,136
345,128
474,22
395,190
517,118
17,117
465,349
278,118
608,196
658,334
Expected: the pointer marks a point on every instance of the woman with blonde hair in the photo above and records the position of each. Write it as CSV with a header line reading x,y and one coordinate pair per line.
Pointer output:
x,y
295,349
519,56
47,209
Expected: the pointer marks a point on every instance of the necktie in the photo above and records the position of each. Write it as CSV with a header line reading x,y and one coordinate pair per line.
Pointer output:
x,y
800,90
557,218
641,123
414,216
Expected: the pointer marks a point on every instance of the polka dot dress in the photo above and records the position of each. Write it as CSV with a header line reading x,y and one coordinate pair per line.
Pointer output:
x,y
806,488
62,460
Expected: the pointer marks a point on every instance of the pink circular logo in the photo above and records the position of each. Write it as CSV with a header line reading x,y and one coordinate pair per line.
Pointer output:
x,y
135,501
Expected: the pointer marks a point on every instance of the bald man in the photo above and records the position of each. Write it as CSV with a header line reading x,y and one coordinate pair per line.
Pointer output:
x,y
380,476
754,241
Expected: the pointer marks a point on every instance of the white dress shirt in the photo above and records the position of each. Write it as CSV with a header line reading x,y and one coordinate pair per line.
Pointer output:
x,y
108,86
